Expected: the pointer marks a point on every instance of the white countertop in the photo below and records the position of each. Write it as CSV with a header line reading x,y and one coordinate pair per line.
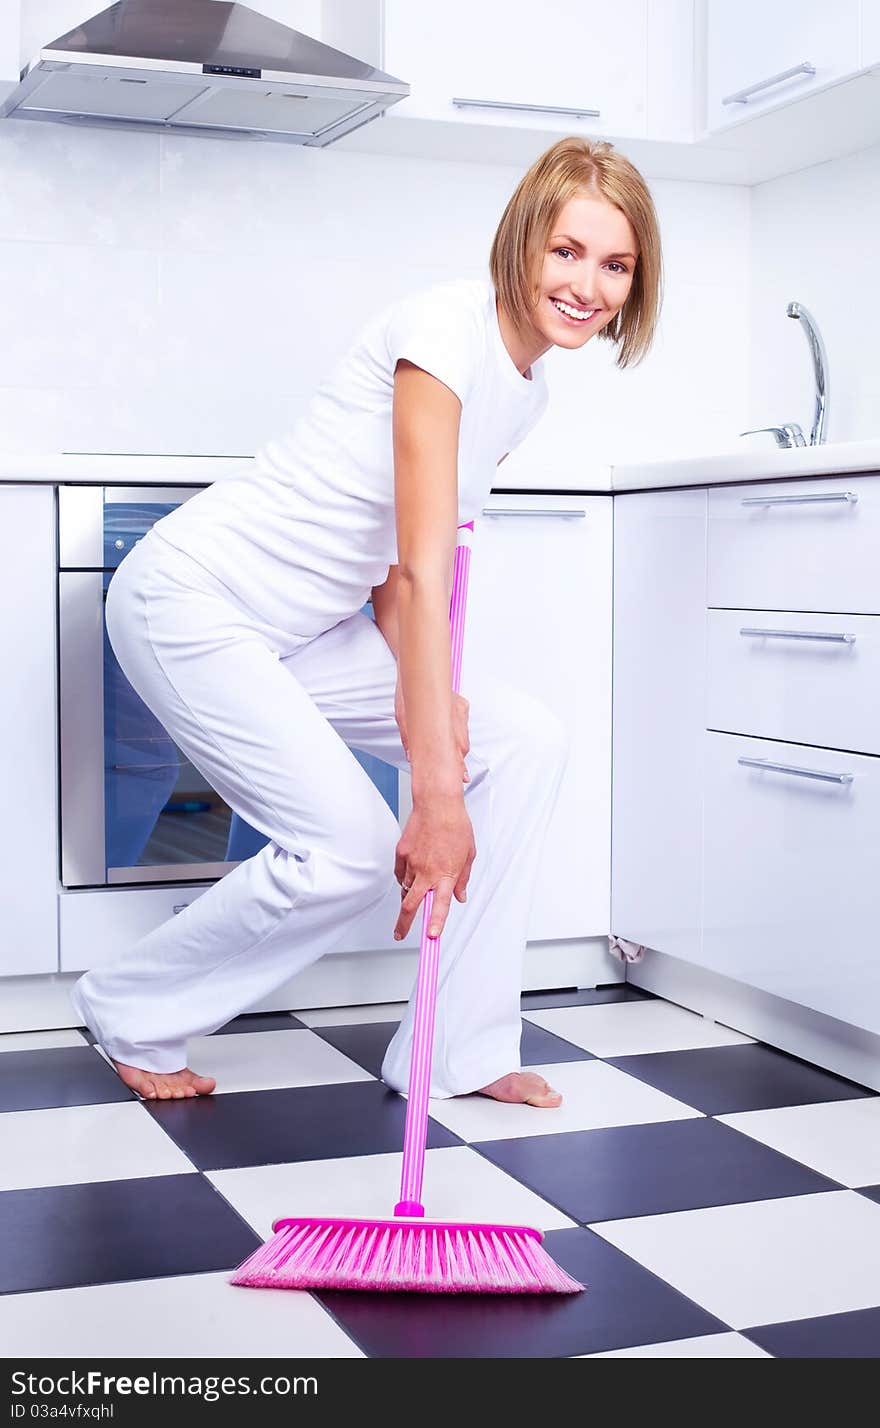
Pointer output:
x,y
751,464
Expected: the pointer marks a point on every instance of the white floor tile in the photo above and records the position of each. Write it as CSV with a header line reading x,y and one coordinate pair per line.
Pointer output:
x,y
708,1346
765,1262
352,1016
840,1139
266,1060
72,1145
459,1185
593,1095
634,1028
40,1040
198,1316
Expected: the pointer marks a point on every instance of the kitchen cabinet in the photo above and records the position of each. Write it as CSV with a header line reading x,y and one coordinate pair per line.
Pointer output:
x,y
28,830
539,617
791,814
659,693
538,564
870,52
10,45
805,678
795,545
588,58
792,843
760,57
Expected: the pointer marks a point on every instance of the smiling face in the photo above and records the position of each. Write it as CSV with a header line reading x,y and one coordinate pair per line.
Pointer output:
x,y
589,263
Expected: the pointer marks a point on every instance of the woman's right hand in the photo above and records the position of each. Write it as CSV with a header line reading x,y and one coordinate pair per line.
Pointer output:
x,y
436,850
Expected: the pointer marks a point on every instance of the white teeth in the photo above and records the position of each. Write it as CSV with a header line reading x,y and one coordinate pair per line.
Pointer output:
x,y
572,311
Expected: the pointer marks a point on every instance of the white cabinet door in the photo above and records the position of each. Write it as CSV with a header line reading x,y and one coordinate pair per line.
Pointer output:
x,y
581,56
539,617
753,46
10,46
870,53
659,692
792,900
670,71
29,826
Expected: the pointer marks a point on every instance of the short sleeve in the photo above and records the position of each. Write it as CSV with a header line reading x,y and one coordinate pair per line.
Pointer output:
x,y
440,332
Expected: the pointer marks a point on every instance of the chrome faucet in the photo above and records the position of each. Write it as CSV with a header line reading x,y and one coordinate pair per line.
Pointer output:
x,y
791,434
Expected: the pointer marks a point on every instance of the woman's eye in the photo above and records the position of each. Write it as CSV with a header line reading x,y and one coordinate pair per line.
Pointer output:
x,y
564,250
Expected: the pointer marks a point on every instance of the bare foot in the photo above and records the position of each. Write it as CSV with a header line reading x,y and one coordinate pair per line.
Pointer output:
x,y
158,1086
523,1087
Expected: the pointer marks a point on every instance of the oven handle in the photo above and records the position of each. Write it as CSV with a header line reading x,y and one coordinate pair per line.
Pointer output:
x,y
81,727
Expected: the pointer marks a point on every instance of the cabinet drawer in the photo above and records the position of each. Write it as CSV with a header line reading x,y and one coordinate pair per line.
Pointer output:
x,y
796,545
791,897
806,678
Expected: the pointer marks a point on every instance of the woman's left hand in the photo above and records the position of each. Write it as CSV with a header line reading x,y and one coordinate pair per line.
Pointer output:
x,y
460,707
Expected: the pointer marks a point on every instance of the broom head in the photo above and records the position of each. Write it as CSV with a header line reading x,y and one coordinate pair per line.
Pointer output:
x,y
406,1253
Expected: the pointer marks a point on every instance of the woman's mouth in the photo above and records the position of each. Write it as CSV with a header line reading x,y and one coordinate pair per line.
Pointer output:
x,y
568,313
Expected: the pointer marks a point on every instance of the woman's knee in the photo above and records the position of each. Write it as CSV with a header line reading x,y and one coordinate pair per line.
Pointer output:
x,y
367,843
527,725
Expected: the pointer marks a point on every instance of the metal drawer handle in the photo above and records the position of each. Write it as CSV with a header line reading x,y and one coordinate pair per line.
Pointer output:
x,y
799,635
794,769
742,96
851,496
537,511
527,108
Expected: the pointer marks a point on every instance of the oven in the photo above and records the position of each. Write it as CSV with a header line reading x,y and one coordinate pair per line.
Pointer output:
x,y
134,810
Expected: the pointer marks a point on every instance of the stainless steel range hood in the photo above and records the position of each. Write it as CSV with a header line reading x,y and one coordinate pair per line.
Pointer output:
x,y
201,67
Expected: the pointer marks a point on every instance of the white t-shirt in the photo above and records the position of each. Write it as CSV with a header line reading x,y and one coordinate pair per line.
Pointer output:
x,y
302,536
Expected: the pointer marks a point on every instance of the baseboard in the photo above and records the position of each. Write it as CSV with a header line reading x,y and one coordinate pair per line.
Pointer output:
x,y
822,1040
345,979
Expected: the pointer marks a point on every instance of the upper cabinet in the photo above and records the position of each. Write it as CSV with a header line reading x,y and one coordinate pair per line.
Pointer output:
x,y
567,68
759,56
688,89
870,33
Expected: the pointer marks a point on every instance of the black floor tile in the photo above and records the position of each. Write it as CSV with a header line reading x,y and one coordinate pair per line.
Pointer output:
x,y
58,1076
591,996
722,1079
542,1048
367,1043
65,1235
364,1043
834,1336
260,1021
623,1305
872,1192
294,1124
622,1171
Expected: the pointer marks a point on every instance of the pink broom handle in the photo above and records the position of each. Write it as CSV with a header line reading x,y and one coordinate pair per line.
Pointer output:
x,y
415,1137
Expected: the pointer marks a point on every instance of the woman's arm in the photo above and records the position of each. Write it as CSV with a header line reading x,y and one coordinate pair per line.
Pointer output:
x,y
384,602
425,423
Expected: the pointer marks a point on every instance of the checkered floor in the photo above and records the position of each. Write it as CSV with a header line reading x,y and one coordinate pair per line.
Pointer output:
x,y
719,1199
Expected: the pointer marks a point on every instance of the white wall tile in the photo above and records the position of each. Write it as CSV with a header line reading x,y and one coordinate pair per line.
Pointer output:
x,y
814,241
65,185
187,294
75,316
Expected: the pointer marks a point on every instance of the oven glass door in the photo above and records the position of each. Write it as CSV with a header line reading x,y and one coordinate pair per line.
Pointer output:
x,y
160,813
155,818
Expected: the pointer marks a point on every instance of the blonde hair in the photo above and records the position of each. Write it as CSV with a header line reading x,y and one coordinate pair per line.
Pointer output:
x,y
570,168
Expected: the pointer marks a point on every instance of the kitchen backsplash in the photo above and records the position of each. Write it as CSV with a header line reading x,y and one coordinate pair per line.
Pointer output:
x,y
177,294
814,240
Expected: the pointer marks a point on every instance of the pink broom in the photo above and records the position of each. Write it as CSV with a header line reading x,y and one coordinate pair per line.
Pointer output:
x,y
410,1252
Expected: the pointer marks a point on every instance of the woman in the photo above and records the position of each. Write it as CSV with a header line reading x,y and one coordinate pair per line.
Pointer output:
x,y
238,620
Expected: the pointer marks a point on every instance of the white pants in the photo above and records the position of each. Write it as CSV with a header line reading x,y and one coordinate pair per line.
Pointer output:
x,y
266,715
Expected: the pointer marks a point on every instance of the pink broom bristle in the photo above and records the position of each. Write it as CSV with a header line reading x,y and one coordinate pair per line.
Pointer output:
x,y
405,1255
